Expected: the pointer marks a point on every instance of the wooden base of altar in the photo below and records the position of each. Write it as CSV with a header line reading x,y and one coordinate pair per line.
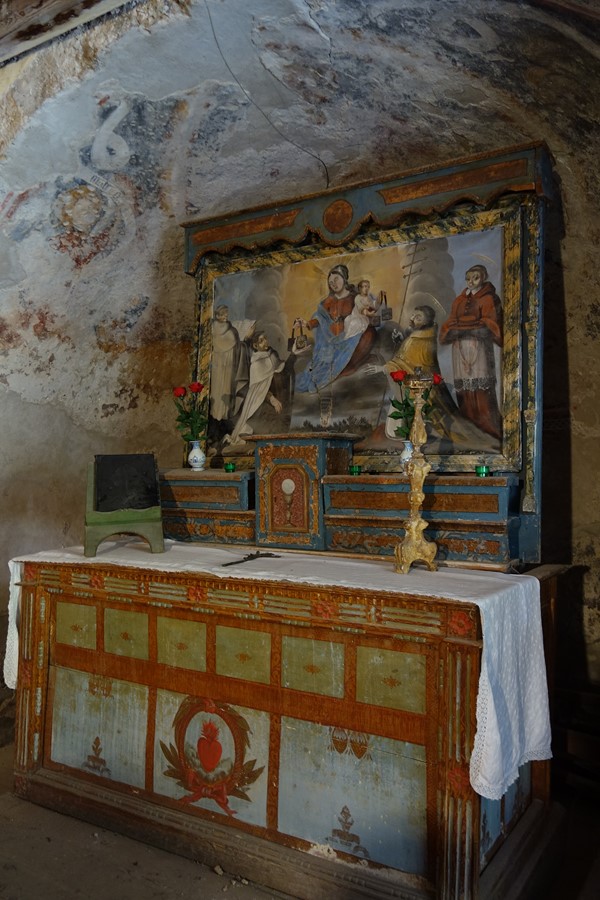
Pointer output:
x,y
312,738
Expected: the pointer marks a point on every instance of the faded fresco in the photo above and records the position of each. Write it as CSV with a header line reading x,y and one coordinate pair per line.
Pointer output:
x,y
311,345
94,314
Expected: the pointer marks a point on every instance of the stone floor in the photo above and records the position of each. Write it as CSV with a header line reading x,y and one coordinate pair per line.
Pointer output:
x,y
45,854
577,875
51,856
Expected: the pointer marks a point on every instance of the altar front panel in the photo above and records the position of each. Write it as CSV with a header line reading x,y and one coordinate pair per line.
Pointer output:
x,y
234,673
332,722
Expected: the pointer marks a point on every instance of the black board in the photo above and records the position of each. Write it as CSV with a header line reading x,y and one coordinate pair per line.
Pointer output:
x,y
126,481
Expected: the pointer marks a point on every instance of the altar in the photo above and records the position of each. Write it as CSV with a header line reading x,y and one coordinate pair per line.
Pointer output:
x,y
316,723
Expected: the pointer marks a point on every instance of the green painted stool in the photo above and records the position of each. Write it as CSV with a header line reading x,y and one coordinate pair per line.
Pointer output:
x,y
123,498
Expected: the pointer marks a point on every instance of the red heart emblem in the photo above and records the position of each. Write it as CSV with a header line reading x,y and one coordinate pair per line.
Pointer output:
x,y
209,747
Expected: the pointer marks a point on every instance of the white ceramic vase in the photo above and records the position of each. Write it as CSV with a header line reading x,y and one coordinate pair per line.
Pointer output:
x,y
196,457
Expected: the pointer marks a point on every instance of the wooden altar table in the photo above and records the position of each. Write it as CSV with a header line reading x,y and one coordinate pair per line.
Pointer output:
x,y
319,724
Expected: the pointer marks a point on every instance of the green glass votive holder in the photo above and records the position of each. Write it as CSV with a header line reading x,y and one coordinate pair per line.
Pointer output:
x,y
354,470
482,471
229,467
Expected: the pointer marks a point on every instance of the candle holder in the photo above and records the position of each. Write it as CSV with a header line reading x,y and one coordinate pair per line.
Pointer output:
x,y
415,547
229,467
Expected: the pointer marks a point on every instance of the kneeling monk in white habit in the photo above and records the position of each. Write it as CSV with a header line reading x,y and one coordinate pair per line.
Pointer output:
x,y
264,363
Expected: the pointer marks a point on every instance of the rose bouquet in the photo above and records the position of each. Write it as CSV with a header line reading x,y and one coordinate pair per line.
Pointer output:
x,y
191,416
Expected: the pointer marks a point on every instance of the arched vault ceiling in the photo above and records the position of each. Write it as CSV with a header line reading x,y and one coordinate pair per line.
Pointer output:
x,y
26,24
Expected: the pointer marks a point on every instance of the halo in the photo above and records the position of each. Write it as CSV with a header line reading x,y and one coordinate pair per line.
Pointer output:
x,y
488,262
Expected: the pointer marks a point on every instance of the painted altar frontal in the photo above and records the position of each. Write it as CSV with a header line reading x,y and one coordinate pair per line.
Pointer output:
x,y
284,701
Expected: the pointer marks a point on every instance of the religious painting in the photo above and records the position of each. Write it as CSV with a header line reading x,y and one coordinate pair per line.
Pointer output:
x,y
311,338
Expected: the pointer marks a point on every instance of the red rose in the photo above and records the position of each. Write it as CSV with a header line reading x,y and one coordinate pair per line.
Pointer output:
x,y
437,379
196,387
400,375
179,392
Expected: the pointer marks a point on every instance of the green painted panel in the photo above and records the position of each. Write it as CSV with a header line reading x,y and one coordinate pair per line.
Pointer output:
x,y
126,633
315,666
76,625
243,654
391,678
181,643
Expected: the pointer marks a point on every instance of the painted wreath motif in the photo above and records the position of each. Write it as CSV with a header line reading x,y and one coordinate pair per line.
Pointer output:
x,y
200,768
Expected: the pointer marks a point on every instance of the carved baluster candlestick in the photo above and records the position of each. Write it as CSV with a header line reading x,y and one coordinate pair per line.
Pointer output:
x,y
414,546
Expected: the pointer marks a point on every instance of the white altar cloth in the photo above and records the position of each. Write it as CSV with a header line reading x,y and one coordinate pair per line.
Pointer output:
x,y
513,722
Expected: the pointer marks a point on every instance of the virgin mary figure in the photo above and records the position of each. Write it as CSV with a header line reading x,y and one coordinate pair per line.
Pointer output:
x,y
336,353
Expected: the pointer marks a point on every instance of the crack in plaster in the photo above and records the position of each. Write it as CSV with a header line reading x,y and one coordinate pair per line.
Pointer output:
x,y
257,105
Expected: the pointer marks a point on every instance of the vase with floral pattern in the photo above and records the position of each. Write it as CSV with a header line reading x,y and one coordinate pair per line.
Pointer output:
x,y
196,457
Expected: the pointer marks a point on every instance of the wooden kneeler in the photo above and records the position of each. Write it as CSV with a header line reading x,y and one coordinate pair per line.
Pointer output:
x,y
123,498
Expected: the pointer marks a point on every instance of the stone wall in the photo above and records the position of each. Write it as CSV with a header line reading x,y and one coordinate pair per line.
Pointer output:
x,y
166,111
